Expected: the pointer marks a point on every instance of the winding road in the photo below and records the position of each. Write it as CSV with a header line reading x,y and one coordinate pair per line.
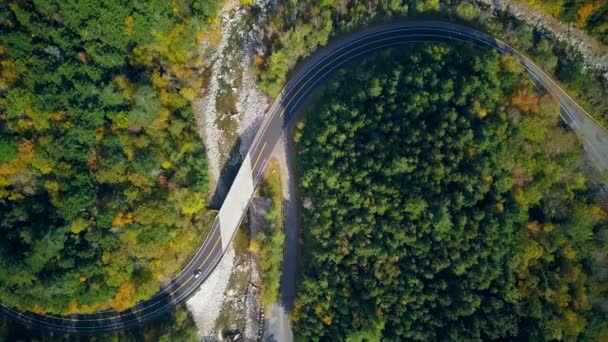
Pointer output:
x,y
283,111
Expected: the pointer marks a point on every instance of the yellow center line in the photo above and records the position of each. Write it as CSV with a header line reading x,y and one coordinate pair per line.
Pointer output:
x,y
259,156
292,98
299,89
342,54
331,60
203,264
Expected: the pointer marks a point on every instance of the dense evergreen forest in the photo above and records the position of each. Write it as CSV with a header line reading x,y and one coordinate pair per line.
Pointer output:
x,y
445,202
102,173
297,29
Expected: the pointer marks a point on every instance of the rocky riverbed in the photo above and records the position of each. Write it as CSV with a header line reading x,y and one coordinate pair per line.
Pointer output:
x,y
593,52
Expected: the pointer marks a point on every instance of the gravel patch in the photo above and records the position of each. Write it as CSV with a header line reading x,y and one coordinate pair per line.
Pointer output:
x,y
206,303
227,136
231,73
251,102
253,324
204,108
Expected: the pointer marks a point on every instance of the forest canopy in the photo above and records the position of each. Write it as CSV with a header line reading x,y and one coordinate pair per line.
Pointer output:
x,y
296,29
445,202
588,15
175,325
103,176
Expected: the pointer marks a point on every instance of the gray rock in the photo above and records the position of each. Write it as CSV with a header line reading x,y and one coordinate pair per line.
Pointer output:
x,y
578,40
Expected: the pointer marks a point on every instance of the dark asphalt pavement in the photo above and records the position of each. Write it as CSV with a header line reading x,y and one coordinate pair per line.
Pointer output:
x,y
283,111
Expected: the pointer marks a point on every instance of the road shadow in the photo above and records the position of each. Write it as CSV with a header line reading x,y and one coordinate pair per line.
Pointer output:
x,y
232,164
227,175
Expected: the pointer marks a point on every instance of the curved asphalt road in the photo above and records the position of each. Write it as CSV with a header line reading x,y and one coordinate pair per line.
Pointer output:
x,y
282,111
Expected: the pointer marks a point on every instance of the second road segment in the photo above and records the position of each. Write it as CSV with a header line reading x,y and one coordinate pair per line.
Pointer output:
x,y
284,111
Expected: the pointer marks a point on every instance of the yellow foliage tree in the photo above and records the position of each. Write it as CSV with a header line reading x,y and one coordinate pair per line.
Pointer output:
x,y
195,203
215,36
129,236
182,72
510,63
57,117
584,13
553,7
254,247
188,93
124,298
129,23
160,81
122,219
161,121
26,146
127,88
78,225
8,74
37,309
531,251
141,182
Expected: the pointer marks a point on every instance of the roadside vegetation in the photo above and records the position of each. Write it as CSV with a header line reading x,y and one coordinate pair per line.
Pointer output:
x,y
445,202
295,30
176,325
268,244
588,15
588,87
103,177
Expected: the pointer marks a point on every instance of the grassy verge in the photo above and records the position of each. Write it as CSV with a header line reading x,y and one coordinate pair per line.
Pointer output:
x,y
304,238
268,244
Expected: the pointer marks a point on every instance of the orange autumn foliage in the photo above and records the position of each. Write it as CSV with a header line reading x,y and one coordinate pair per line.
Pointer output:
x,y
59,116
583,13
37,309
82,57
124,297
533,226
525,100
93,160
499,208
100,132
9,74
259,60
162,182
26,146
